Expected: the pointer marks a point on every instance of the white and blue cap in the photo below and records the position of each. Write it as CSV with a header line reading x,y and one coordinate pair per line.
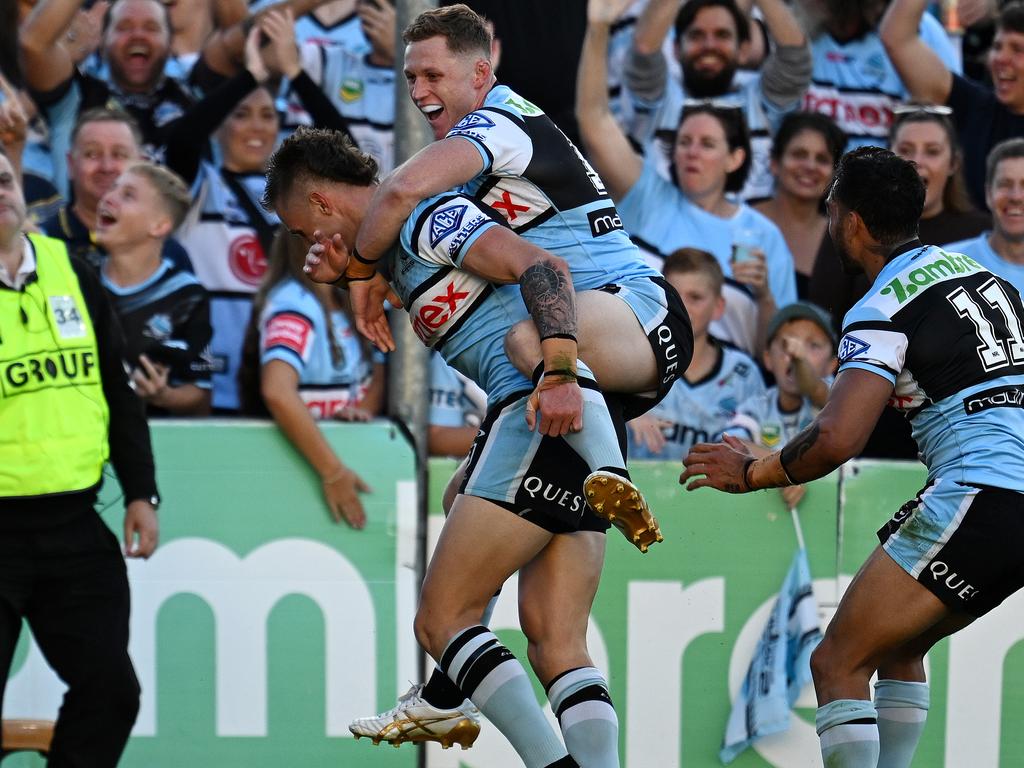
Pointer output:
x,y
803,310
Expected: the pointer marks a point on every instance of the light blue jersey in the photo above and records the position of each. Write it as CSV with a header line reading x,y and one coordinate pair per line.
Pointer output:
x,y
698,412
540,183
459,314
455,401
293,329
761,421
947,334
980,249
347,31
856,84
661,220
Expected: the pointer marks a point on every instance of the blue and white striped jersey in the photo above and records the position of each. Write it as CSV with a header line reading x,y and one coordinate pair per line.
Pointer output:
x,y
761,421
856,84
947,333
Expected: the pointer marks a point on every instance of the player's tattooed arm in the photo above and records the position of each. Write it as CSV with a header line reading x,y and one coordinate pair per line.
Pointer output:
x,y
549,297
795,450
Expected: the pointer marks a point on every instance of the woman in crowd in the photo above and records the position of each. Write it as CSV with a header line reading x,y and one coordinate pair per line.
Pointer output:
x,y
925,135
305,360
805,151
228,229
710,159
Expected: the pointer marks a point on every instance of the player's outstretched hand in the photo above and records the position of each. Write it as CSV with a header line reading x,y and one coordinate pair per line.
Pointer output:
x,y
560,404
326,258
367,298
717,465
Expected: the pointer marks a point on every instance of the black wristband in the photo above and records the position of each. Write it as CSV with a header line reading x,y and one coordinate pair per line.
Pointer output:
x,y
568,336
746,470
564,372
358,257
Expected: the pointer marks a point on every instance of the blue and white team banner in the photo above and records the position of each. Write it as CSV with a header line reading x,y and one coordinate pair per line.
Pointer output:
x,y
781,665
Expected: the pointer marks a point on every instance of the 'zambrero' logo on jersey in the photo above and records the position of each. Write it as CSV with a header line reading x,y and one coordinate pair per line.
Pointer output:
x,y
526,107
444,222
851,347
946,266
474,121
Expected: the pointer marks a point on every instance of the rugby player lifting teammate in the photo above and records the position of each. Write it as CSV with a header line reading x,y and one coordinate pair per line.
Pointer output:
x,y
940,338
504,152
455,259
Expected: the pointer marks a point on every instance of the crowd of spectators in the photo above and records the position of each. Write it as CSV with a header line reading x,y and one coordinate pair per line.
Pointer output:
x,y
141,130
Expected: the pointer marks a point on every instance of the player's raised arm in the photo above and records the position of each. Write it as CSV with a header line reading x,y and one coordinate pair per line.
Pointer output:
x,y
607,146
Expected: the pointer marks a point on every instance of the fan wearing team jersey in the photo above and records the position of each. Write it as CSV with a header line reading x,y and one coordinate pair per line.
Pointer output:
x,y
719,376
854,81
227,229
710,159
305,360
712,37
165,312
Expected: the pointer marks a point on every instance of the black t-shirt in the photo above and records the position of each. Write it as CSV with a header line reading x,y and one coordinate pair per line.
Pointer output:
x,y
166,318
982,122
158,113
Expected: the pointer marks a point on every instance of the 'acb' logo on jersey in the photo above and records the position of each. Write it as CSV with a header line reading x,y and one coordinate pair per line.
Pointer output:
x,y
444,222
246,258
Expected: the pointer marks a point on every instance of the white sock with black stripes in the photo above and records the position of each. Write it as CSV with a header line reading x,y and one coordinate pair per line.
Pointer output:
x,y
496,682
848,732
580,700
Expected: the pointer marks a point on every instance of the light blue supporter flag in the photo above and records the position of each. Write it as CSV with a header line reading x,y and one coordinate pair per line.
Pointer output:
x,y
781,665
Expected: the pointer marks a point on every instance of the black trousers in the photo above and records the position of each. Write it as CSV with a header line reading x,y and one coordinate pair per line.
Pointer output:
x,y
69,581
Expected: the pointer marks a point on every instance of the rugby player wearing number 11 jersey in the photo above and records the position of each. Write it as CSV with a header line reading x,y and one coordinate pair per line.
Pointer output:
x,y
940,338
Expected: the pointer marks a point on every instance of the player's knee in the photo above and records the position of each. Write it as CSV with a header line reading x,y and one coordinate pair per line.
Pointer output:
x,y
822,662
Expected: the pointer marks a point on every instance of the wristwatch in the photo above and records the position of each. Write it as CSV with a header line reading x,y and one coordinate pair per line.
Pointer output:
x,y
154,501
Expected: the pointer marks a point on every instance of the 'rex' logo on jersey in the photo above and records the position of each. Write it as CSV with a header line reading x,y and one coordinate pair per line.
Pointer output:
x,y
444,222
851,347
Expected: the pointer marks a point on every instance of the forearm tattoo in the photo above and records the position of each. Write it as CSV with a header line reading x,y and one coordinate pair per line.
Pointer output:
x,y
796,448
548,295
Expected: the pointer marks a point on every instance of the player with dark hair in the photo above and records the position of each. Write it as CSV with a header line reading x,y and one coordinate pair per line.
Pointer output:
x,y
465,279
939,337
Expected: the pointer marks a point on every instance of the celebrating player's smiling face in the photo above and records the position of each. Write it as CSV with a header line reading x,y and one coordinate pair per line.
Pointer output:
x,y
247,136
1005,198
445,86
136,43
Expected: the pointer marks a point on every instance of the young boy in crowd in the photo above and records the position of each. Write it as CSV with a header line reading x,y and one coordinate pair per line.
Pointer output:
x,y
718,379
164,311
801,355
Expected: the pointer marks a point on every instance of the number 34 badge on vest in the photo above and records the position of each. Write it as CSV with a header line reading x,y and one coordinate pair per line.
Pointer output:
x,y
69,320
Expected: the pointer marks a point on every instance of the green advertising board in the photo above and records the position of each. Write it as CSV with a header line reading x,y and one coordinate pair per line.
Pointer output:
x,y
260,627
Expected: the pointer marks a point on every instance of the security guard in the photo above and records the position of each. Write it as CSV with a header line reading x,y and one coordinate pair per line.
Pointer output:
x,y
65,407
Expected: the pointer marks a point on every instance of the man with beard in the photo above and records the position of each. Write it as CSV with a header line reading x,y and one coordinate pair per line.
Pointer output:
x,y
136,44
984,115
939,337
711,37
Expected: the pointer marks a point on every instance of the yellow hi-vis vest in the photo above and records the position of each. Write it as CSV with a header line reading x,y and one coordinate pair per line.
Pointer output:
x,y
53,415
